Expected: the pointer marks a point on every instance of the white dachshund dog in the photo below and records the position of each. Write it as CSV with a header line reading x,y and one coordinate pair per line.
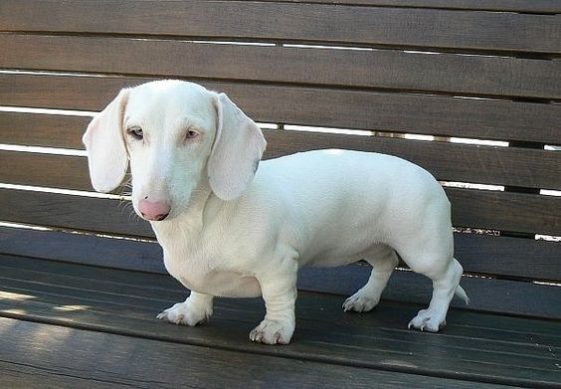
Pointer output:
x,y
230,229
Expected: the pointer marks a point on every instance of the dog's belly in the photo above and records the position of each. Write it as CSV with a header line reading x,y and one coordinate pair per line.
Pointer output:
x,y
220,283
332,259
229,284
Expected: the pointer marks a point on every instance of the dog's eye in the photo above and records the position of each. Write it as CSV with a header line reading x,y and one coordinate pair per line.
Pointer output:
x,y
136,133
191,134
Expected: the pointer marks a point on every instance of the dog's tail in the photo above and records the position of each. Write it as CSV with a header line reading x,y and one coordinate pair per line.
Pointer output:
x,y
461,293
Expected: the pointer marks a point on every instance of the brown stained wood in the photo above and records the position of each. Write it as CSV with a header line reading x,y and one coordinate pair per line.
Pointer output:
x,y
45,170
292,22
85,249
386,69
507,256
81,357
446,161
24,376
498,256
42,130
507,211
487,347
72,212
428,114
101,289
534,6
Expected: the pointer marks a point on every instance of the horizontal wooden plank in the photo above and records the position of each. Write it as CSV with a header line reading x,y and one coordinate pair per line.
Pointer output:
x,y
33,129
507,256
67,359
386,69
482,254
534,6
506,211
86,249
423,114
487,347
72,212
54,278
446,161
292,22
46,170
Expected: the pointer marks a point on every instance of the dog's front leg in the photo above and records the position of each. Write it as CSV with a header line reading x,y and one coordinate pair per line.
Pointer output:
x,y
278,289
196,309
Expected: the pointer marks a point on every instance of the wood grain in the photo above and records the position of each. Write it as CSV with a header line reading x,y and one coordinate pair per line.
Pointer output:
x,y
446,161
422,114
291,22
72,212
76,357
33,129
488,347
482,254
535,6
505,211
384,69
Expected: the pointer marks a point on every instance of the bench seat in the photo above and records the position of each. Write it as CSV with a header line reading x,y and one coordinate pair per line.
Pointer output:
x,y
68,323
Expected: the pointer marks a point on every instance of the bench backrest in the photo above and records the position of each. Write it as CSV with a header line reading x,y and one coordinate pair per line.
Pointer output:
x,y
369,75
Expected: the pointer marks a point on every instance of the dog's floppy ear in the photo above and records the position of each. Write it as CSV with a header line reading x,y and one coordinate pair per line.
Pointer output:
x,y
237,150
107,156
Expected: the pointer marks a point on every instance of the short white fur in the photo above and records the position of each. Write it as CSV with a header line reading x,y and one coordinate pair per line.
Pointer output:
x,y
237,231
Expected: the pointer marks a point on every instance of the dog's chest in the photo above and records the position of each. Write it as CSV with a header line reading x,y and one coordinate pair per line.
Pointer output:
x,y
192,270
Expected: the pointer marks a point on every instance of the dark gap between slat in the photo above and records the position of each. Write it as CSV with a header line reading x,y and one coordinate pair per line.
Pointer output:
x,y
330,45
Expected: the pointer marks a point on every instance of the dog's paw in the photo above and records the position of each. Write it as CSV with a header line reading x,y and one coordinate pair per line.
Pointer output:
x,y
358,302
186,314
272,332
427,321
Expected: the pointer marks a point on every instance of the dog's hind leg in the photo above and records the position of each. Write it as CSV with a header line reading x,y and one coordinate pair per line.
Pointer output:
x,y
445,285
383,260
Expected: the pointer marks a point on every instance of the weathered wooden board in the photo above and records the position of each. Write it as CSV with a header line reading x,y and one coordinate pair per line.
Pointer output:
x,y
504,211
488,348
41,355
446,161
422,114
380,69
285,21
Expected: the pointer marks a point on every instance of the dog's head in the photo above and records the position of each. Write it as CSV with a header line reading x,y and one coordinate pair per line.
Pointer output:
x,y
175,135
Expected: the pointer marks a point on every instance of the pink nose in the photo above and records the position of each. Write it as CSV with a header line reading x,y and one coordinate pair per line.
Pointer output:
x,y
154,211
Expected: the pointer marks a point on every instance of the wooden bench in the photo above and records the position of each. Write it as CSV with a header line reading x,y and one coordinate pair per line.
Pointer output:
x,y
81,278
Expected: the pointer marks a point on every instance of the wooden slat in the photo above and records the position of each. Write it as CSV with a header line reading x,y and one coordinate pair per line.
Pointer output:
x,y
534,6
73,212
42,355
507,256
498,256
47,170
290,21
405,287
507,211
474,346
446,73
42,130
437,115
446,161
81,248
